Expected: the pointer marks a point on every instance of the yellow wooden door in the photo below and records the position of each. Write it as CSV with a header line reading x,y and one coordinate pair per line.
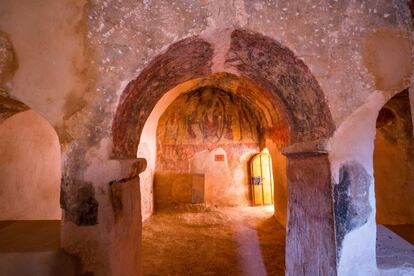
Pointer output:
x,y
262,178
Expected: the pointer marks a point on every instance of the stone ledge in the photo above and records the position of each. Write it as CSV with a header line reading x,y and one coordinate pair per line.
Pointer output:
x,y
130,169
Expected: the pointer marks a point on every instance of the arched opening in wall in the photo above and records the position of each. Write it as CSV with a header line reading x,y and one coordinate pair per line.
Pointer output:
x,y
30,212
197,143
207,134
221,119
394,183
205,140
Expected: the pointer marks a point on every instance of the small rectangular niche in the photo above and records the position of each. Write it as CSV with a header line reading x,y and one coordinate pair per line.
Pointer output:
x,y
197,188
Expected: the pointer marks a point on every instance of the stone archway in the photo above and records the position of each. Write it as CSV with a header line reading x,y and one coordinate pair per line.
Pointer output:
x,y
289,86
273,130
274,68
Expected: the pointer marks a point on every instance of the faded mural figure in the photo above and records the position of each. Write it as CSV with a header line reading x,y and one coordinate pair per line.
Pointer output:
x,y
191,120
212,122
171,130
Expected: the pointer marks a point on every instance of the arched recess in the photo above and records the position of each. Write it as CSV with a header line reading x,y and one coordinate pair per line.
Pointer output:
x,y
394,162
273,131
29,164
288,86
205,123
394,183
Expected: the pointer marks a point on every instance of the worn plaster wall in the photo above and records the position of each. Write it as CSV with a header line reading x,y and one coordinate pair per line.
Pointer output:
x,y
49,42
29,169
206,132
50,66
394,163
351,151
49,35
319,39
125,36
327,35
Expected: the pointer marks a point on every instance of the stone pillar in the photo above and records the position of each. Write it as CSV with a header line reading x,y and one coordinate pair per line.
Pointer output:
x,y
310,237
125,238
111,243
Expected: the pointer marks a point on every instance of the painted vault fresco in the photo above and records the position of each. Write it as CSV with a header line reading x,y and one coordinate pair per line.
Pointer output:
x,y
205,118
211,134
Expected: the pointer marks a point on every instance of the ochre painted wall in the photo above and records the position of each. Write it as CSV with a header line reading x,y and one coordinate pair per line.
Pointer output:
x,y
29,168
394,163
279,163
198,127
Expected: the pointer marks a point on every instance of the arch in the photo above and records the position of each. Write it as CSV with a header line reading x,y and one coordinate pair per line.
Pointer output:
x,y
280,81
272,122
30,168
284,80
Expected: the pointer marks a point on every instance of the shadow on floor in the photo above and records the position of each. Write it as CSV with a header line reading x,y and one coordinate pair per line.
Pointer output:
x,y
274,252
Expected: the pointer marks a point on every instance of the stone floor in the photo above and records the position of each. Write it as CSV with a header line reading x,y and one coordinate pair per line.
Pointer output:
x,y
228,241
395,255
192,241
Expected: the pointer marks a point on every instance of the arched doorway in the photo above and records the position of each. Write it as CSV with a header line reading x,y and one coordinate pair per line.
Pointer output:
x,y
205,140
279,80
30,214
206,136
394,183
